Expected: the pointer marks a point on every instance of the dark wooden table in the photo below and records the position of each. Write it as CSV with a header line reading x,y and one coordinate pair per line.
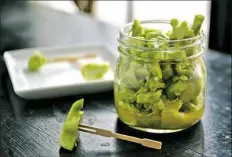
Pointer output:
x,y
32,128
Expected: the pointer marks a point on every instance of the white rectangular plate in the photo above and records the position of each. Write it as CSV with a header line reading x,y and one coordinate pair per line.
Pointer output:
x,y
58,79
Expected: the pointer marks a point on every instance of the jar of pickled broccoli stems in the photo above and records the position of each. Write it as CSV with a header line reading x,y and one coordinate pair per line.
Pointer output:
x,y
160,77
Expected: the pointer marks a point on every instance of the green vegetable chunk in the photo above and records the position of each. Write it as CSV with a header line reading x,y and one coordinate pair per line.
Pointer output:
x,y
181,77
142,72
174,22
181,54
36,61
185,68
194,85
94,71
149,30
176,89
156,69
148,97
166,104
70,127
189,107
137,43
131,81
197,23
155,35
167,71
154,83
181,31
126,95
137,29
159,56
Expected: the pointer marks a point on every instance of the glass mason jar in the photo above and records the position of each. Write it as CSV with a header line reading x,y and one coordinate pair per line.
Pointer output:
x,y
159,85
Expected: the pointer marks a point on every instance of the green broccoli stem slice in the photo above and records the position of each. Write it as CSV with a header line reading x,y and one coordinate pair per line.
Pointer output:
x,y
137,29
181,31
148,97
197,23
176,89
155,69
126,94
94,71
154,83
189,107
185,68
167,71
70,127
36,61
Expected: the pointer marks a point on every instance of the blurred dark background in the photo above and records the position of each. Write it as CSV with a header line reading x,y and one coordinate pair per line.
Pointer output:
x,y
218,27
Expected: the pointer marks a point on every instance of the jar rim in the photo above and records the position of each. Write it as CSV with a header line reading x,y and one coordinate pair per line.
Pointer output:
x,y
194,41
201,36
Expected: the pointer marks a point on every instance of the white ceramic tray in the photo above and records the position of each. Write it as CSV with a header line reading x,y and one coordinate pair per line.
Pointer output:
x,y
58,79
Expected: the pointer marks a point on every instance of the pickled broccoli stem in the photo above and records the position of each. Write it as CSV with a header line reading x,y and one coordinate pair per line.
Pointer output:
x,y
197,23
70,127
167,71
181,31
156,69
176,89
149,97
137,29
93,71
36,61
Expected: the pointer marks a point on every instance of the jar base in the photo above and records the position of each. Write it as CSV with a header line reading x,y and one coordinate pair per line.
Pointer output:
x,y
157,131
160,131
